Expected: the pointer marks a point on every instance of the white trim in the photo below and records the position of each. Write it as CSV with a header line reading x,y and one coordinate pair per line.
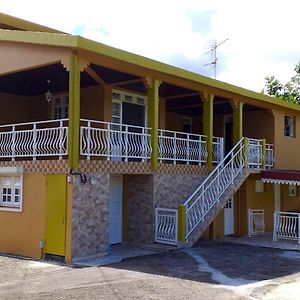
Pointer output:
x,y
11,170
12,207
280,181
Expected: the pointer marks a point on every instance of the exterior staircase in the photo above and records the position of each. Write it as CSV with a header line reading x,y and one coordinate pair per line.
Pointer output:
x,y
204,204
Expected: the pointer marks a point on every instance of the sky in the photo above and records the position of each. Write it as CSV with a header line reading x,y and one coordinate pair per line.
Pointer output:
x,y
263,35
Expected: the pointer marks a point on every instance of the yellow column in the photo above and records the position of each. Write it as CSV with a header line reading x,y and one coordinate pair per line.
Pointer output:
x,y
153,118
208,111
181,223
74,111
237,121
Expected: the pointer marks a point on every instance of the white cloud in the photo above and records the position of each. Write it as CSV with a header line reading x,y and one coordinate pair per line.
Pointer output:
x,y
262,34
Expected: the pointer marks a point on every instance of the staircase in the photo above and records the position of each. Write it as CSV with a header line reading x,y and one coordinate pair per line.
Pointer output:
x,y
200,209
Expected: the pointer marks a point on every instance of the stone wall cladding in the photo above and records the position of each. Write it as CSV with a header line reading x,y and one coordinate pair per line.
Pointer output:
x,y
169,190
90,216
140,209
123,167
57,166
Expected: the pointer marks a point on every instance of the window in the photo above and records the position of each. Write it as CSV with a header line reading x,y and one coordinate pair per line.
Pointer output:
x,y
11,191
292,191
289,126
60,107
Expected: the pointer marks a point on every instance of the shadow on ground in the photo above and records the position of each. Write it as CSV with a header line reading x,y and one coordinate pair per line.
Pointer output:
x,y
243,262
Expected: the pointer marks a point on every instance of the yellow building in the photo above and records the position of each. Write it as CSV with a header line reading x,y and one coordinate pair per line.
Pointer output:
x,y
100,146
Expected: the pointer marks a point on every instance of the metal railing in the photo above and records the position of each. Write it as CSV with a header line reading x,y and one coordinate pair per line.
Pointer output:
x,y
218,149
199,204
256,221
269,156
255,157
114,141
166,229
181,147
286,226
34,139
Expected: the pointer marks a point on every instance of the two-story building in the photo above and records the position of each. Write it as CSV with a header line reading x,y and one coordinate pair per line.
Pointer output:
x,y
99,146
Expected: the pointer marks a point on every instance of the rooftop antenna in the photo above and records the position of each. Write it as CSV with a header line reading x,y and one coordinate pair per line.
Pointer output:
x,y
214,58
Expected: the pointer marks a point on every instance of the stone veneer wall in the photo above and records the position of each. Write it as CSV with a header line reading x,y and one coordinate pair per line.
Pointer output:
x,y
140,218
170,190
90,216
145,192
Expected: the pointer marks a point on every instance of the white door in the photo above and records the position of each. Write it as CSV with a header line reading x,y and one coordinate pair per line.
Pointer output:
x,y
228,218
115,209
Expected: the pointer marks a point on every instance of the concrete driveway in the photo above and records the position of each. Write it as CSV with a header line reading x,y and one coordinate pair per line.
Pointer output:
x,y
213,270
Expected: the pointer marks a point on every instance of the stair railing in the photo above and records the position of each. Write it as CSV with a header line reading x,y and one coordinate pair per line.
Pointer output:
x,y
212,188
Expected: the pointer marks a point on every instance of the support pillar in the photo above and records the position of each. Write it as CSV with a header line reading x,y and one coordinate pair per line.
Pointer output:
x,y
74,111
237,120
277,197
208,107
153,117
181,223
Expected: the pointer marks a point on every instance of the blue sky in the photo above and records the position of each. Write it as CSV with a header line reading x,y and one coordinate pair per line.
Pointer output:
x,y
262,35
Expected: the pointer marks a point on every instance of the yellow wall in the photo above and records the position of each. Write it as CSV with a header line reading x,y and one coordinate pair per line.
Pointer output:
x,y
263,200
14,108
259,125
289,203
21,232
286,148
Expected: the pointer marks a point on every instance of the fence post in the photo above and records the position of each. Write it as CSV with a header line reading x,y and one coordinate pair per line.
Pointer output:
x,y
174,148
13,144
298,228
263,153
188,149
89,140
274,227
34,141
61,135
181,223
126,142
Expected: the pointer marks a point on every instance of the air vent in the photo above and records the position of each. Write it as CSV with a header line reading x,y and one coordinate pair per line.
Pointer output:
x,y
128,98
116,96
140,101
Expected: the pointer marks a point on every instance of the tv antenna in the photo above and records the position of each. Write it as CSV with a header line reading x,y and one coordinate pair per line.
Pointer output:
x,y
214,58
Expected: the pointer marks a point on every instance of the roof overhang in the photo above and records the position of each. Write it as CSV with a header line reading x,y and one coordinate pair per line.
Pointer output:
x,y
78,43
281,177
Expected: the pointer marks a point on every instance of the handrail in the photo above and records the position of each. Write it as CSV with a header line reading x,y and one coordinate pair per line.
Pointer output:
x,y
215,170
197,207
31,123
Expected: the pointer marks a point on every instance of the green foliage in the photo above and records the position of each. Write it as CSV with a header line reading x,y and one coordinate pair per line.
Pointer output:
x,y
289,91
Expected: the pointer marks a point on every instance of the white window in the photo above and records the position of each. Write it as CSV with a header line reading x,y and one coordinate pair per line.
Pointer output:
x,y
11,191
289,126
60,106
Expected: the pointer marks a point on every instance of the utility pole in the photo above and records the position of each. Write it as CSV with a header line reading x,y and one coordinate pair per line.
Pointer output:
x,y
214,58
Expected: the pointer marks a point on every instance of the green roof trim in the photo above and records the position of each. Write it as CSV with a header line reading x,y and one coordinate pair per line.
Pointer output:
x,y
24,25
77,42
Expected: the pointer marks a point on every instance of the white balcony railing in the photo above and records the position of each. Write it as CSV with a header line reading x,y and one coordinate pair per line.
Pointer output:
x,y
269,156
255,157
286,226
36,139
114,141
218,149
177,146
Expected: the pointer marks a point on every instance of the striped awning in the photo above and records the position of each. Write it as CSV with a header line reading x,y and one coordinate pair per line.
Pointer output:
x,y
281,176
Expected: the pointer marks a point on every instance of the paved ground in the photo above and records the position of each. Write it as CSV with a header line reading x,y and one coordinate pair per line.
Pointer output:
x,y
213,270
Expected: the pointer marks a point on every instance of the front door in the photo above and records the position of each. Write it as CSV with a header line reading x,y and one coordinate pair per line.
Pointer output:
x,y
115,209
55,234
228,218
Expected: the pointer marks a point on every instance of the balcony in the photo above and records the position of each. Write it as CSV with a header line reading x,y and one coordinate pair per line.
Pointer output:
x,y
125,142
117,142
34,140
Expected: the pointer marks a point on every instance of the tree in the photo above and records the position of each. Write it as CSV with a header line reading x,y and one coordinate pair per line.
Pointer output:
x,y
289,91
